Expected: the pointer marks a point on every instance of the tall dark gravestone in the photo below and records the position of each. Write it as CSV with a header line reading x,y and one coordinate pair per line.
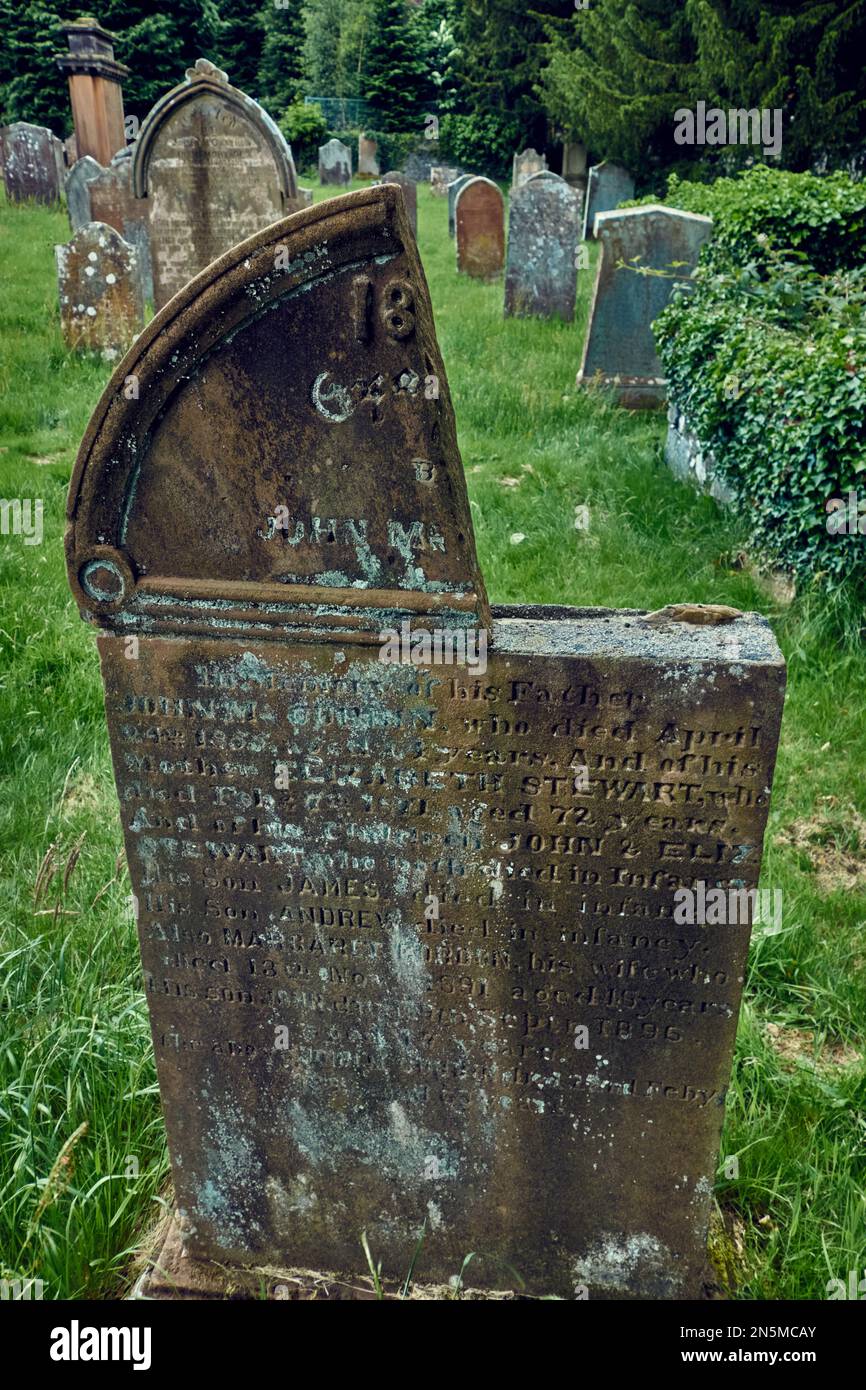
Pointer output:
x,y
214,169
543,240
406,925
607,186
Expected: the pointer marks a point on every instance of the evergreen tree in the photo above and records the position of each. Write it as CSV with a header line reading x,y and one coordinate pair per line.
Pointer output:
x,y
395,75
280,78
242,36
156,47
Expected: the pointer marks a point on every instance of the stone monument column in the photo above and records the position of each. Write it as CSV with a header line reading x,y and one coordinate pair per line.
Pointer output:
x,y
95,88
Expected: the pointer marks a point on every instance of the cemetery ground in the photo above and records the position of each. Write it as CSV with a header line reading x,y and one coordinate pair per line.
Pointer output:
x,y
82,1161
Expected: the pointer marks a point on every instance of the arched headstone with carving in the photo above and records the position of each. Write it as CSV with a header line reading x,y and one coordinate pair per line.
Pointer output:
x,y
214,169
404,869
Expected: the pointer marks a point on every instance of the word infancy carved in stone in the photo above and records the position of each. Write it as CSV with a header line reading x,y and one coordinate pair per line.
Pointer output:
x,y
292,807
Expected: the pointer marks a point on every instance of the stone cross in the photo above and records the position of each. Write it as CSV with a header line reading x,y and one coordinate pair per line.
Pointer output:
x,y
405,867
214,169
645,253
480,229
335,163
543,239
100,288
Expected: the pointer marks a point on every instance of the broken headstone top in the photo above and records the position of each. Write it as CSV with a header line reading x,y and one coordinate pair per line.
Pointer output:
x,y
320,468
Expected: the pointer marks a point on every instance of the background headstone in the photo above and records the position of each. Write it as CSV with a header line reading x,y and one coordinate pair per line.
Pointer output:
x,y
543,238
95,89
574,162
395,978
524,165
335,163
440,177
30,163
214,169
454,188
417,167
368,162
480,229
82,173
607,186
70,147
410,194
112,200
620,351
99,283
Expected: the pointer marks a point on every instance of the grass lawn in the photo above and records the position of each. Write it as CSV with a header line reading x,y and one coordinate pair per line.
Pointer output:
x,y
82,1150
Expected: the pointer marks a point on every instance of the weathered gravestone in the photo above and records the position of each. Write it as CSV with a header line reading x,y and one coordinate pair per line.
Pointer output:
x,y
574,162
453,189
543,239
410,194
607,186
480,229
30,163
524,165
100,288
441,175
82,173
645,253
113,200
335,163
368,160
407,929
214,169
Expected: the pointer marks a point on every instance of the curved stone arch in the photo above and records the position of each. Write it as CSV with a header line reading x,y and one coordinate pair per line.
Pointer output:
x,y
279,270
201,80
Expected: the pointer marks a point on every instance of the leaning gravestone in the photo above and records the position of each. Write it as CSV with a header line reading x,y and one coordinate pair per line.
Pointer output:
x,y
30,167
480,229
543,239
214,169
82,173
524,165
410,194
454,188
620,351
607,186
335,163
407,926
99,283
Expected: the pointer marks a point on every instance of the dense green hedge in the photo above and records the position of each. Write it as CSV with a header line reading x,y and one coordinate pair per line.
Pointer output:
x,y
766,355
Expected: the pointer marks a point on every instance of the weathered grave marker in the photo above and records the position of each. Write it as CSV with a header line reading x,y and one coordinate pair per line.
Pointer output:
x,y
410,194
30,169
574,163
441,175
480,229
335,163
368,158
82,173
95,89
645,252
543,238
113,200
607,186
214,168
524,165
453,189
100,289
407,929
